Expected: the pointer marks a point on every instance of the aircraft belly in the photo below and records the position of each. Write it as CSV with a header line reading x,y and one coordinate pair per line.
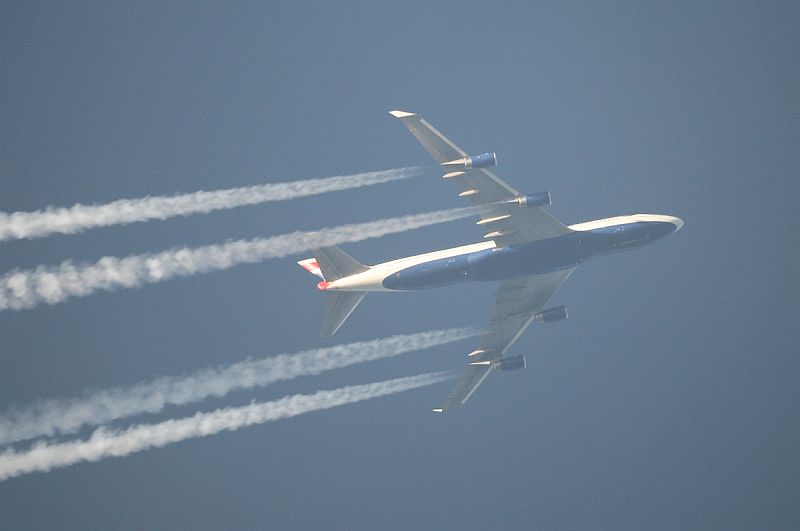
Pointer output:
x,y
432,274
535,258
493,264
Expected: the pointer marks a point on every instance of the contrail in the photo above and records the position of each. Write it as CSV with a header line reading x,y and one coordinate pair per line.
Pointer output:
x,y
78,218
52,417
116,443
23,289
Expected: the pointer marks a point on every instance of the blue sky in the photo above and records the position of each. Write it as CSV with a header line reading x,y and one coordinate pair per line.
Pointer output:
x,y
668,400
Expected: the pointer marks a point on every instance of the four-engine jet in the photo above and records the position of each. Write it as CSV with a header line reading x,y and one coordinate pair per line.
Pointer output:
x,y
526,249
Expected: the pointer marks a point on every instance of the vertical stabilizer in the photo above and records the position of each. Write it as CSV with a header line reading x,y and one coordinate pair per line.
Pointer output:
x,y
338,307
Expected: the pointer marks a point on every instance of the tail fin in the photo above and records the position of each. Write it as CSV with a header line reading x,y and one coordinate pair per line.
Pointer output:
x,y
311,265
330,264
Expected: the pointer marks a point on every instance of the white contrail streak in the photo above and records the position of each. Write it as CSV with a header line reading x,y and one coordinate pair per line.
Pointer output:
x,y
52,417
78,218
23,289
116,443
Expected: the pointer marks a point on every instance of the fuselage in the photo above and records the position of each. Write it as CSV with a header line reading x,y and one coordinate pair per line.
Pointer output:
x,y
486,262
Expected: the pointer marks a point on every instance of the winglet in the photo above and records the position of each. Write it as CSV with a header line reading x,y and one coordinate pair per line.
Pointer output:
x,y
401,114
438,410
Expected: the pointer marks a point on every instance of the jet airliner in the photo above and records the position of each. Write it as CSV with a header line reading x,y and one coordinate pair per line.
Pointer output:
x,y
525,248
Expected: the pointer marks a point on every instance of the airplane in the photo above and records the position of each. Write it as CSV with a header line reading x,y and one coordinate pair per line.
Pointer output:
x,y
525,248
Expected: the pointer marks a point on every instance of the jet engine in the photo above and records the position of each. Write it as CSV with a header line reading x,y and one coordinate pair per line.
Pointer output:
x,y
511,363
484,160
552,314
534,200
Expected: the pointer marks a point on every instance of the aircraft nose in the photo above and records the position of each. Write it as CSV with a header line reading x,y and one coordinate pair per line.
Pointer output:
x,y
678,222
664,226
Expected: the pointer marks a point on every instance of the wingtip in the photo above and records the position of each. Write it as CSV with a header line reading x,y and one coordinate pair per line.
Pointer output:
x,y
401,114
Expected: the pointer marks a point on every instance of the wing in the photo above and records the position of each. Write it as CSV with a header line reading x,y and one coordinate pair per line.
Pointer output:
x,y
519,300
497,203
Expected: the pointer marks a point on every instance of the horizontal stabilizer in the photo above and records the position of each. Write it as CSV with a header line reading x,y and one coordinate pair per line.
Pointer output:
x,y
338,307
336,264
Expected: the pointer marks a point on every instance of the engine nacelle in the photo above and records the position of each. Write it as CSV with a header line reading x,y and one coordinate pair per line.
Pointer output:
x,y
552,314
484,160
511,363
535,200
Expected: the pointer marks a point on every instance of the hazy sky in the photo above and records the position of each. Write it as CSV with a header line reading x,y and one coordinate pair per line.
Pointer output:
x,y
669,398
